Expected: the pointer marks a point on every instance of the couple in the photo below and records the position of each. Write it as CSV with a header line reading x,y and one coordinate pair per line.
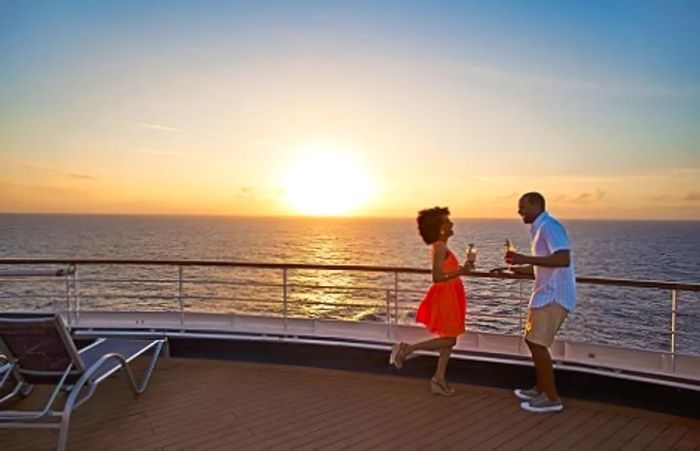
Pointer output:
x,y
443,309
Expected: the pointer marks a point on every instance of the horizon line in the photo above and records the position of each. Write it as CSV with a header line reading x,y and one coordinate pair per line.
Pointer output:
x,y
339,217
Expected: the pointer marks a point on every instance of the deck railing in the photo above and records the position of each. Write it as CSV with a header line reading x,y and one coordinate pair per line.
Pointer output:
x,y
399,291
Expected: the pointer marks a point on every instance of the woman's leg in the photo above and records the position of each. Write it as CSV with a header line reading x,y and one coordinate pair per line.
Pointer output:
x,y
430,345
442,362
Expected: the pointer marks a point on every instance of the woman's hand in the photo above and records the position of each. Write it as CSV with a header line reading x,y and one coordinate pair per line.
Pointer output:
x,y
499,270
466,268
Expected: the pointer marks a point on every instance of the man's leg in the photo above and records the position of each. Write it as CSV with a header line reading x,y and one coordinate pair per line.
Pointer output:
x,y
543,370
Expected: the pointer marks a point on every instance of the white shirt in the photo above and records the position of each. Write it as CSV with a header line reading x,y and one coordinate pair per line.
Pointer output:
x,y
551,284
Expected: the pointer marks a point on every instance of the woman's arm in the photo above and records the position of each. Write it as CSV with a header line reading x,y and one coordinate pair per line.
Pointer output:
x,y
438,258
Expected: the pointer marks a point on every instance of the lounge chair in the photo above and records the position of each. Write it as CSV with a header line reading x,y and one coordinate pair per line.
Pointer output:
x,y
39,350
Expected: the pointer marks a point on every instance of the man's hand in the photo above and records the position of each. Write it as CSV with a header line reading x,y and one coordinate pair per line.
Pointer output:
x,y
558,259
518,270
517,259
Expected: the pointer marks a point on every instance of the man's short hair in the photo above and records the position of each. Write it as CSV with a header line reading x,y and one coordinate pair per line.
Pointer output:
x,y
534,198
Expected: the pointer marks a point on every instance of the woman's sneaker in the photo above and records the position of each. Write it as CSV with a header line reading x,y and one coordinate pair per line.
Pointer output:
x,y
526,394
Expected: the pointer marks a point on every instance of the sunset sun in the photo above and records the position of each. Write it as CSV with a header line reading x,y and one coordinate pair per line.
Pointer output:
x,y
326,184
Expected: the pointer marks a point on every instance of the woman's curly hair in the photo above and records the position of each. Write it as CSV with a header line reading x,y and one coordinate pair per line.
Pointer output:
x,y
429,223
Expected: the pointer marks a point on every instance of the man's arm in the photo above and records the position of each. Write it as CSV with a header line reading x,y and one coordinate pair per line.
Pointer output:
x,y
526,270
558,259
522,270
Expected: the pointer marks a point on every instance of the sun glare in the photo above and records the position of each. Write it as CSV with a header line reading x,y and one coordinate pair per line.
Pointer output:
x,y
326,184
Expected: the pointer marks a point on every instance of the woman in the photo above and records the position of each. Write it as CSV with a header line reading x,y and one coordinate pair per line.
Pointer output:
x,y
443,308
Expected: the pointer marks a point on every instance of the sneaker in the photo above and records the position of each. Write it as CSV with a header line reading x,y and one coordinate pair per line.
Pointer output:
x,y
542,404
527,394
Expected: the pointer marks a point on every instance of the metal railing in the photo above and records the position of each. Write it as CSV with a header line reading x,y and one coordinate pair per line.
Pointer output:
x,y
398,294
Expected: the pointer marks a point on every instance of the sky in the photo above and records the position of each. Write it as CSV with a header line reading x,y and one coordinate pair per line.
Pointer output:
x,y
277,108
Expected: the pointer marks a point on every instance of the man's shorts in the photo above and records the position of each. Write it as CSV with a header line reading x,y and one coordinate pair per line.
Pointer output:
x,y
543,323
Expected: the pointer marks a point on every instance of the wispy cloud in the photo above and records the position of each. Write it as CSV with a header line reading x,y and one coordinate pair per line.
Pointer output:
x,y
591,179
150,151
159,127
585,198
497,178
692,196
510,196
693,173
82,176
62,173
269,145
246,192
631,89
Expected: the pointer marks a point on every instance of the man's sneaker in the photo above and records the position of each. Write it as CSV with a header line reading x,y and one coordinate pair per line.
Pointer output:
x,y
526,394
542,404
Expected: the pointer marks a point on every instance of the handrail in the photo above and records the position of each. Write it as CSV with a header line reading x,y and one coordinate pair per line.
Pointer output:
x,y
391,297
684,286
38,272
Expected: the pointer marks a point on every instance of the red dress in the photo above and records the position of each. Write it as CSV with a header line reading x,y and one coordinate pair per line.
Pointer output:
x,y
444,307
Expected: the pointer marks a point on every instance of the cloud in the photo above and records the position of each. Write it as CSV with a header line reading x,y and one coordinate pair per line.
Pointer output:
x,y
159,127
581,178
693,173
585,198
18,197
60,172
8,187
269,145
660,198
149,151
82,176
692,196
498,178
510,196
631,89
247,193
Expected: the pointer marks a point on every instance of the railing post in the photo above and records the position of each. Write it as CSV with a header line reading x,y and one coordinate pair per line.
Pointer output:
x,y
284,296
181,293
674,316
68,298
388,313
520,307
396,299
76,295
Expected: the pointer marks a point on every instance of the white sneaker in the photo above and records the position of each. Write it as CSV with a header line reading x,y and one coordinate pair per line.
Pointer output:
x,y
526,394
542,404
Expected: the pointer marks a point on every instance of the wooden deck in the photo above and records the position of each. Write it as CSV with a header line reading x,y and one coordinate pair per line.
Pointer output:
x,y
199,404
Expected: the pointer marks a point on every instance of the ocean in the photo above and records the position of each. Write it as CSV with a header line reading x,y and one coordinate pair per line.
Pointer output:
x,y
643,250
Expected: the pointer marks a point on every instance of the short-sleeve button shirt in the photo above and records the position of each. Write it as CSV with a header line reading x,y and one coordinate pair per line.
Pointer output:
x,y
551,284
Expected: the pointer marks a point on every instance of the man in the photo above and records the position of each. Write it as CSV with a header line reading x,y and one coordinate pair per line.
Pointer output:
x,y
553,297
